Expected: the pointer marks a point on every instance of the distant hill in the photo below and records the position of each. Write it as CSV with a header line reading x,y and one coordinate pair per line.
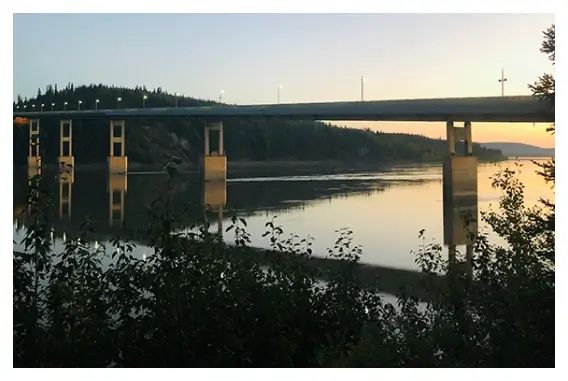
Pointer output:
x,y
520,149
151,141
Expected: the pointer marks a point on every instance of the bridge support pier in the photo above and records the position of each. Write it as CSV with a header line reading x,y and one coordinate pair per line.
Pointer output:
x,y
34,156
66,160
117,160
214,162
460,198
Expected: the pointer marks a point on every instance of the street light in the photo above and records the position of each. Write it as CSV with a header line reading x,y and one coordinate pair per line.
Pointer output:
x,y
65,105
176,99
502,80
17,107
118,102
144,101
52,106
33,107
221,96
278,93
79,105
42,106
362,88
96,104
24,107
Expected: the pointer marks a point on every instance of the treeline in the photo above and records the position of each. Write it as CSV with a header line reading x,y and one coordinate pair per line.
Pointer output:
x,y
153,140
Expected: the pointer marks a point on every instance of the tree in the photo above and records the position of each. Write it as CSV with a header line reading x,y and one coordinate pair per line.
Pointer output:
x,y
544,89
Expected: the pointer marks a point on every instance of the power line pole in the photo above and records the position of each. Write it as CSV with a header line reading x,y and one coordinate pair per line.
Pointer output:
x,y
502,80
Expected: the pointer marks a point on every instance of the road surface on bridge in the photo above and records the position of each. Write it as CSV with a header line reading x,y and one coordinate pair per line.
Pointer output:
x,y
512,109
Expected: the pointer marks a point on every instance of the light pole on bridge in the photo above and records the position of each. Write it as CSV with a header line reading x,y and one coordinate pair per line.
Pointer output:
x,y
144,101
17,108
221,96
24,108
362,88
33,107
278,93
502,80
65,105
52,106
118,102
42,106
96,104
79,105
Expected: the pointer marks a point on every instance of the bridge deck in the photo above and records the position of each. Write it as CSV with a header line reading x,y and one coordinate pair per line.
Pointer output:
x,y
514,109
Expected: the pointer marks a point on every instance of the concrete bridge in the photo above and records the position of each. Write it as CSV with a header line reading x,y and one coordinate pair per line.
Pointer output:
x,y
459,173
511,109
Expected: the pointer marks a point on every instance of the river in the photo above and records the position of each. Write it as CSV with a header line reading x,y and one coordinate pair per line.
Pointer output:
x,y
385,209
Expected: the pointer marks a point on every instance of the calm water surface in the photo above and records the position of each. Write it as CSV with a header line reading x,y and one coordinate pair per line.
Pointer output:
x,y
385,209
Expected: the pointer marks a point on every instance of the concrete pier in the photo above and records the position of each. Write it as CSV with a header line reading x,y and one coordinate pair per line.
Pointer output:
x,y
117,160
34,156
460,196
214,162
66,160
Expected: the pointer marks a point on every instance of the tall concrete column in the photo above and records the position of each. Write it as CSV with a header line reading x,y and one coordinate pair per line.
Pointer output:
x,y
460,198
451,137
34,156
66,160
468,139
214,163
117,160
221,148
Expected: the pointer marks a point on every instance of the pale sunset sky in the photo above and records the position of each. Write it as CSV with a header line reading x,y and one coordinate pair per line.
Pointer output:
x,y
315,57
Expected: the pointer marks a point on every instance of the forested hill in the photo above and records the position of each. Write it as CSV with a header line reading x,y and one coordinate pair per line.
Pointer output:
x,y
151,141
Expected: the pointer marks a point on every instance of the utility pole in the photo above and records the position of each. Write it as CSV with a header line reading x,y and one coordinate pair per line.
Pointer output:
x,y
502,80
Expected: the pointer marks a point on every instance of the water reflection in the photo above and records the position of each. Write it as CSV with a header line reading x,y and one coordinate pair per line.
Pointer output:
x,y
66,179
385,210
215,199
116,187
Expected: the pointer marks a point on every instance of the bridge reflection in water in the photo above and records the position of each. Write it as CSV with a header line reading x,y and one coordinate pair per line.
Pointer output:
x,y
459,190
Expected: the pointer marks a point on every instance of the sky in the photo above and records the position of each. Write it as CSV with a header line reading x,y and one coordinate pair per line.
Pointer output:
x,y
313,57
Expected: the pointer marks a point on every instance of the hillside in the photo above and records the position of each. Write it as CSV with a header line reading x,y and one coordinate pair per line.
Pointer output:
x,y
151,141
520,149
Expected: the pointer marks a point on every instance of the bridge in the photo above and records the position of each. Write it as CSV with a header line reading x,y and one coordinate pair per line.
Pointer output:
x,y
459,173
511,109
